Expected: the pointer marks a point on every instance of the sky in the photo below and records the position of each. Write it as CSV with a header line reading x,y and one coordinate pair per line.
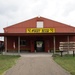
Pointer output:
x,y
15,11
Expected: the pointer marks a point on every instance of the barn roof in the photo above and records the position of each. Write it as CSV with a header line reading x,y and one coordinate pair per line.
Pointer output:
x,y
31,23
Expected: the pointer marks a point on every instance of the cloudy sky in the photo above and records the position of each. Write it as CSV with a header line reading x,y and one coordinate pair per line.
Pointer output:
x,y
15,11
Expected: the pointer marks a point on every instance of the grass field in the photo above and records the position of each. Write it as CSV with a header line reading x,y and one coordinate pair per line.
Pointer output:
x,y
67,62
6,62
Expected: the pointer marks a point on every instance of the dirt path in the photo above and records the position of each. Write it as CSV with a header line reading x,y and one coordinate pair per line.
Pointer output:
x,y
36,65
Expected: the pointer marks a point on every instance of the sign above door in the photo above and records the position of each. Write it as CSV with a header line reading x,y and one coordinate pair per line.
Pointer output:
x,y
40,30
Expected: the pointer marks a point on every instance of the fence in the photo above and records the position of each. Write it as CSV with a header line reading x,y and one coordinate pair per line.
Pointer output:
x,y
67,46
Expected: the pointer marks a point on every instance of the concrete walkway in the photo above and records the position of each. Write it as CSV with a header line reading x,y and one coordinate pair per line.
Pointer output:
x,y
36,64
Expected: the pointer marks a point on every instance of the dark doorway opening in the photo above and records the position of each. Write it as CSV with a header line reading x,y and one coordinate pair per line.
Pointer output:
x,y
39,46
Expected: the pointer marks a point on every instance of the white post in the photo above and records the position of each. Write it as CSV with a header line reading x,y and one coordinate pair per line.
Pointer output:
x,y
68,43
5,44
54,44
18,45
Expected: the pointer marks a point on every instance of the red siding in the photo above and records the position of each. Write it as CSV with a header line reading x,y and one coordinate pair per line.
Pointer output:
x,y
10,43
48,40
21,27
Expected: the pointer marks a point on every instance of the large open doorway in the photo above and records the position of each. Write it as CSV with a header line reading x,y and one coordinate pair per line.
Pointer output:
x,y
39,46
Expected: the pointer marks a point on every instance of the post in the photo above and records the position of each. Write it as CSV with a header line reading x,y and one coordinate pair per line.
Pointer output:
x,y
32,46
18,45
68,43
61,53
5,44
73,53
54,44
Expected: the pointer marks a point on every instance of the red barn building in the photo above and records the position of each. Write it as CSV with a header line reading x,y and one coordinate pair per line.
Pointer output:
x,y
37,35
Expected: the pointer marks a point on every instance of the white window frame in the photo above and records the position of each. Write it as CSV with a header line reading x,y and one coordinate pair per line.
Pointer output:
x,y
39,24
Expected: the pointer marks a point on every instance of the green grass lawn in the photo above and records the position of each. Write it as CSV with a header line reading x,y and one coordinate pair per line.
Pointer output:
x,y
67,62
7,61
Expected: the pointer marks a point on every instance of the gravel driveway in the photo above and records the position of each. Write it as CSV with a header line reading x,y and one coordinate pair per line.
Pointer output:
x,y
36,64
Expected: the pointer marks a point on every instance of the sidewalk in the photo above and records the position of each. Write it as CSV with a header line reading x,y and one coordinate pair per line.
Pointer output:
x,y
36,64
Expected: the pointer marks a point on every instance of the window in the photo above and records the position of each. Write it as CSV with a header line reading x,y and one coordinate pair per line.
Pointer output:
x,y
23,43
39,24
